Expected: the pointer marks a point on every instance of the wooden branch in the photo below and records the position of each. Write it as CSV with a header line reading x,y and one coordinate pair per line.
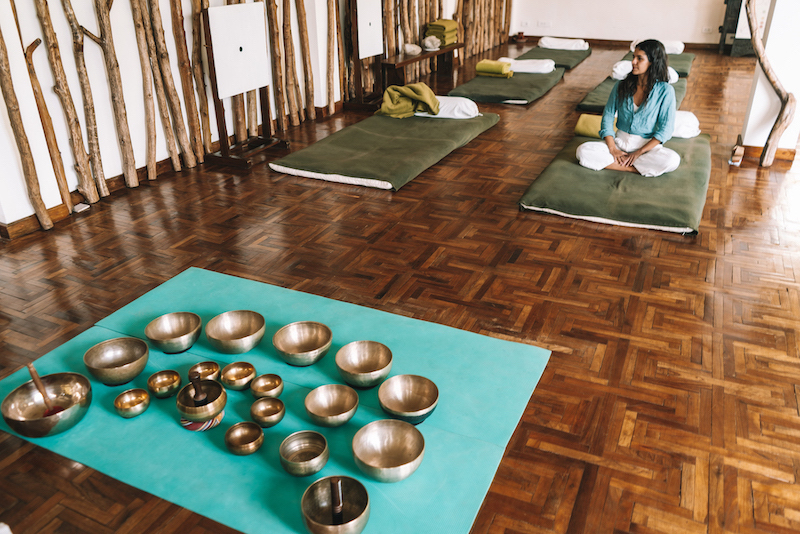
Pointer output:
x,y
507,22
26,156
305,51
788,101
237,106
92,36
340,54
169,85
158,83
197,71
86,185
117,94
147,88
187,84
252,114
88,99
330,63
277,64
291,72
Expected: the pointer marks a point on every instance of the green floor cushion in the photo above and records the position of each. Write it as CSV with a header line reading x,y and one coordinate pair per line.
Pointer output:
x,y
595,101
682,63
566,59
672,202
383,152
519,89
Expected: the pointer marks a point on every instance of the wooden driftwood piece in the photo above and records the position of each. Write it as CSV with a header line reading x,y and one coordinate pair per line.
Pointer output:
x,y
158,83
788,101
237,106
305,51
169,85
389,28
340,53
277,64
147,88
507,22
291,71
197,71
331,43
88,99
106,43
187,84
15,117
86,185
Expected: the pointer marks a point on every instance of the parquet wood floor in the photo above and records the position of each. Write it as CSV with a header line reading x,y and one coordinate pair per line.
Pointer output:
x,y
670,402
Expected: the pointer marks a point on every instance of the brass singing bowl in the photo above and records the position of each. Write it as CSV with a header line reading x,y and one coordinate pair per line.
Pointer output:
x,y
23,409
244,438
164,384
235,332
317,507
117,361
237,375
411,398
216,399
174,332
266,386
267,411
304,453
303,343
206,370
132,402
388,450
364,364
331,405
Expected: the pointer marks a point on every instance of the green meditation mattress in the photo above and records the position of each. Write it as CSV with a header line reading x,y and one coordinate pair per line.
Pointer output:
x,y
519,89
383,152
565,59
595,101
672,202
682,63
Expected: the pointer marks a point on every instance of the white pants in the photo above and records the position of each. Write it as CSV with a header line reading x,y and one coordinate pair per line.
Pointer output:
x,y
596,156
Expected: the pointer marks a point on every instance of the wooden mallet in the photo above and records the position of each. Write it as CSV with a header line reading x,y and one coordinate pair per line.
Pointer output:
x,y
50,408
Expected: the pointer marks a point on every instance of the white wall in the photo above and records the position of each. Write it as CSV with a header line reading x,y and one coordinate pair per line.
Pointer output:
x,y
620,20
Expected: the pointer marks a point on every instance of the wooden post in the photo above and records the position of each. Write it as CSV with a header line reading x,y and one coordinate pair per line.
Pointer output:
x,y
788,101
197,72
340,54
169,85
158,83
331,43
507,22
88,100
15,117
237,106
147,88
291,72
277,64
86,185
311,111
187,84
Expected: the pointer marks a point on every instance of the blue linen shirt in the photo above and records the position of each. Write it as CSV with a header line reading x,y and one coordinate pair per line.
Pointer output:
x,y
656,119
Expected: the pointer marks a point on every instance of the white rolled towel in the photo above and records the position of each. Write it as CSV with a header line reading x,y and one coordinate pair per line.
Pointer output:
x,y
670,47
621,69
530,66
686,125
561,43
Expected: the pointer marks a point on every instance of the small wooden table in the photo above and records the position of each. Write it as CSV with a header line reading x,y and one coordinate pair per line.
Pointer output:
x,y
394,72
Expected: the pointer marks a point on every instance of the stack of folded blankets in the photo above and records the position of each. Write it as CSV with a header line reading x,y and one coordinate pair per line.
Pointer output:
x,y
496,69
445,30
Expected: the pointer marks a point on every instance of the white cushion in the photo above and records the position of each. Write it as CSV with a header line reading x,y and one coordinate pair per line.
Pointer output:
x,y
621,69
686,125
454,107
561,43
670,47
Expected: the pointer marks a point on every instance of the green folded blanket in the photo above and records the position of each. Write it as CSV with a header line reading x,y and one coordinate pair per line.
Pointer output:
x,y
439,33
444,25
400,102
489,66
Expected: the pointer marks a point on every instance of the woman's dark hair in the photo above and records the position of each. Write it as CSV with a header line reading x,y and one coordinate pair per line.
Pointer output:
x,y
657,72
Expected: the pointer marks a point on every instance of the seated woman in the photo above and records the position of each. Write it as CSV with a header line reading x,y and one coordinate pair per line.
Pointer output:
x,y
644,105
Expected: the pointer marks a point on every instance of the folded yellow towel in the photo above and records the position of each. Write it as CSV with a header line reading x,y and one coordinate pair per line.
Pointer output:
x,y
589,125
508,74
488,66
444,24
403,101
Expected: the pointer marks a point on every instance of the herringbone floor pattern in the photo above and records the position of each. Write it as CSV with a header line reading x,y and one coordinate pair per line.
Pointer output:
x,y
670,402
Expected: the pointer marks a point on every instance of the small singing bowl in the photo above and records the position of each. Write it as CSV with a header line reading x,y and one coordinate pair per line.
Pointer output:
x,y
388,450
237,375
235,332
206,370
266,386
410,398
244,438
364,364
117,361
317,507
303,343
332,404
174,332
132,402
164,384
304,453
216,398
24,409
267,411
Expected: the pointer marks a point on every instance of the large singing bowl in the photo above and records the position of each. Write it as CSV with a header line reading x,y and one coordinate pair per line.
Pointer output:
x,y
23,409
117,361
388,450
174,332
303,343
235,332
211,407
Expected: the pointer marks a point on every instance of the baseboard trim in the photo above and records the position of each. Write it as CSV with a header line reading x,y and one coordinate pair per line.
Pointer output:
x,y
30,224
783,154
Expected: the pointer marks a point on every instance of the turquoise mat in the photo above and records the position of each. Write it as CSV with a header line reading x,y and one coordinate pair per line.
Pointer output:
x,y
484,385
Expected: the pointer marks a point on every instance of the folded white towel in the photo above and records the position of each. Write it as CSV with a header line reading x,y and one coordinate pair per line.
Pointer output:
x,y
686,125
530,66
452,107
670,47
560,43
621,69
